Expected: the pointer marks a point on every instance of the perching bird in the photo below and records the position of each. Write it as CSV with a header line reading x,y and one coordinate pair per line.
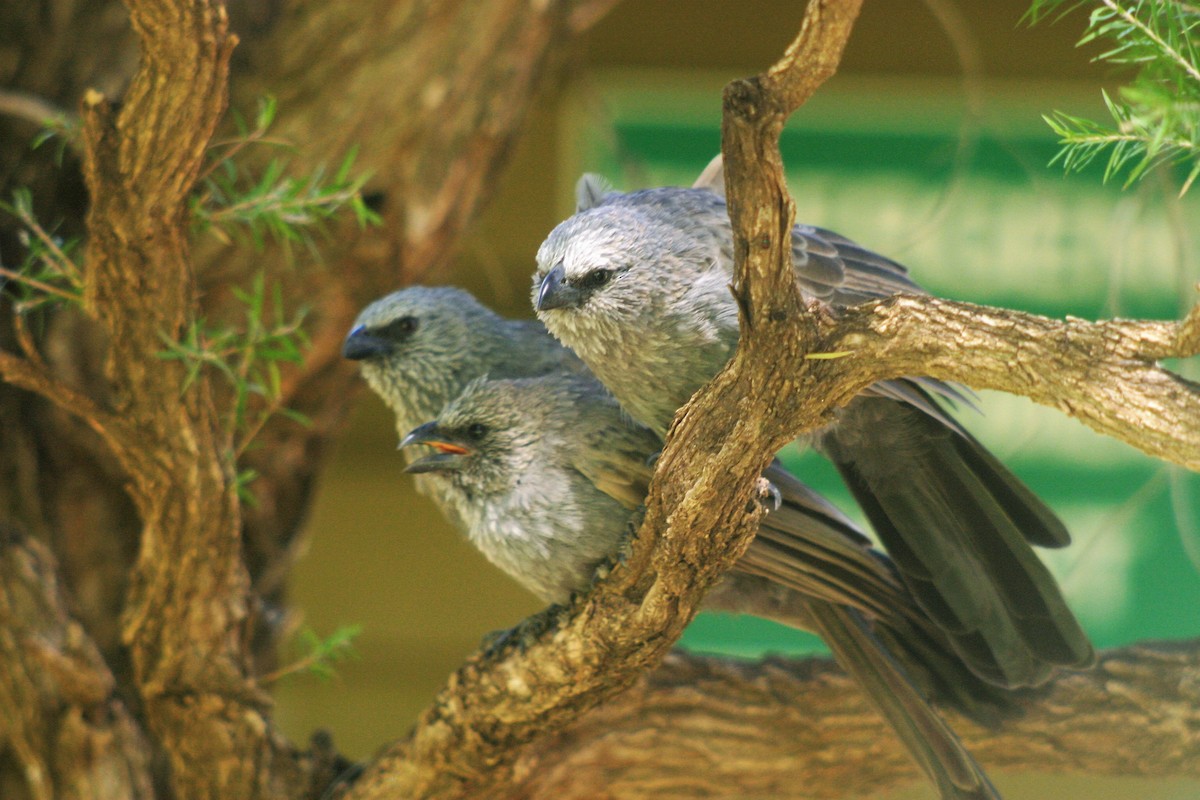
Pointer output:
x,y
420,346
547,475
638,286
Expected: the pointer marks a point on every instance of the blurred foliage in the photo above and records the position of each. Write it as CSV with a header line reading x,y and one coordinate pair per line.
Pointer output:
x,y
47,272
319,655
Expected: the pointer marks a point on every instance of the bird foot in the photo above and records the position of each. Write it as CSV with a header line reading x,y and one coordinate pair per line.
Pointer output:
x,y
767,491
621,558
524,633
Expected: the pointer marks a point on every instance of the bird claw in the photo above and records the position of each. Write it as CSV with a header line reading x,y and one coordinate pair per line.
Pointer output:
x,y
523,634
768,491
618,559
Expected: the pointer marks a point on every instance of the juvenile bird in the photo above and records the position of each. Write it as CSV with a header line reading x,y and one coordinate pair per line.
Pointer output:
x,y
420,346
547,475
638,286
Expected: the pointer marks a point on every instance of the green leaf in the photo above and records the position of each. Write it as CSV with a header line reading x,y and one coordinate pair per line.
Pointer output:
x,y
1155,122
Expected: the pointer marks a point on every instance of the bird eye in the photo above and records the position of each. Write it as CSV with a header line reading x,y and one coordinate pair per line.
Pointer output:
x,y
477,430
595,279
399,329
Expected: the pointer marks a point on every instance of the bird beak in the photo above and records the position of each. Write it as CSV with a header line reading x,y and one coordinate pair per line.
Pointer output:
x,y
555,292
361,345
450,456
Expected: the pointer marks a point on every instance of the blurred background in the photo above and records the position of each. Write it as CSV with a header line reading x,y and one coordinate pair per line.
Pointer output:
x,y
928,146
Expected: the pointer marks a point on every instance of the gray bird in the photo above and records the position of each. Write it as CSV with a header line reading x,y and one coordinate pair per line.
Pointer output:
x,y
547,475
637,285
419,347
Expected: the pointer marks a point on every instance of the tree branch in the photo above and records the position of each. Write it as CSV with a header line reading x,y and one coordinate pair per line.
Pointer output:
x,y
32,377
187,605
802,729
1102,373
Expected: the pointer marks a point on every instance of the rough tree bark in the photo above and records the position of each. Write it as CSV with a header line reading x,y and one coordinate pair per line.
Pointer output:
x,y
165,702
784,729
58,705
204,575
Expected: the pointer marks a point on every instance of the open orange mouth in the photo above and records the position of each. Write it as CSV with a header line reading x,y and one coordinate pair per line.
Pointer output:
x,y
446,447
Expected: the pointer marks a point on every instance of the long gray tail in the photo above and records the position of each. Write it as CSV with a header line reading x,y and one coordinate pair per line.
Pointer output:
x,y
927,737
959,527
807,550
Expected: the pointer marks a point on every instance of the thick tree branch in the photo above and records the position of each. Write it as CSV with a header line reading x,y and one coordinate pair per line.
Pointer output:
x,y
59,716
1103,373
802,729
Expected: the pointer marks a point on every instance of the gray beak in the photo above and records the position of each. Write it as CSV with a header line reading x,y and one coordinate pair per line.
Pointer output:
x,y
361,345
555,292
451,455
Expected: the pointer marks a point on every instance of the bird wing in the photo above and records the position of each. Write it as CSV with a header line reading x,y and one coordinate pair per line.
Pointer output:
x,y
613,452
843,272
628,487
959,526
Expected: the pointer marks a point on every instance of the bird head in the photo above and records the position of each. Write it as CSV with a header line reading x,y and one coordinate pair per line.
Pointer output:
x,y
411,346
483,440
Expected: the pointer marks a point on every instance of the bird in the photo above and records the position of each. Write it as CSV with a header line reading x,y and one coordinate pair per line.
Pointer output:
x,y
420,346
547,476
637,284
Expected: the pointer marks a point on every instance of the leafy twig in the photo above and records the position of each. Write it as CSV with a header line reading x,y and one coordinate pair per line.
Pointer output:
x,y
248,357
322,654
273,204
1156,117
48,269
